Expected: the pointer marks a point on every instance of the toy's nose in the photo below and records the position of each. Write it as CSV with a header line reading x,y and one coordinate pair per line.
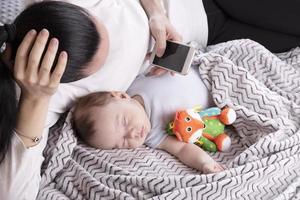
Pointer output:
x,y
200,125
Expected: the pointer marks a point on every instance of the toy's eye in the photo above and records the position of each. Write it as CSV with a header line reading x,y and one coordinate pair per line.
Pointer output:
x,y
187,119
189,129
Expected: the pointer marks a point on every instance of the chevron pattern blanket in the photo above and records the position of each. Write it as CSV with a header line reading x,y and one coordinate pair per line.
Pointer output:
x,y
264,162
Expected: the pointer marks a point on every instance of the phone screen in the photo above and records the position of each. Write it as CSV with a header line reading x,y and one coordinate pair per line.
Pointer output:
x,y
174,56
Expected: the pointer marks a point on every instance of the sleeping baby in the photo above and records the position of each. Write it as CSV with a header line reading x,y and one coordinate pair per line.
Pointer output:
x,y
110,120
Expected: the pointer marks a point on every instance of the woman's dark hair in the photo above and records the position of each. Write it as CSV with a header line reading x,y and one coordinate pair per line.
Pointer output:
x,y
77,35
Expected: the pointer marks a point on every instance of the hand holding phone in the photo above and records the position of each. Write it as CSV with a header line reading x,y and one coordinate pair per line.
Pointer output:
x,y
177,57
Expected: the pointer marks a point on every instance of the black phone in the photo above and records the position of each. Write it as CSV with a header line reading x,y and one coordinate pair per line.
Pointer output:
x,y
177,57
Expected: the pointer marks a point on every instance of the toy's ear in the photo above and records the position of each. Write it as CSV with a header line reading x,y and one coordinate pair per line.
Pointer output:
x,y
197,108
227,116
193,114
178,136
177,115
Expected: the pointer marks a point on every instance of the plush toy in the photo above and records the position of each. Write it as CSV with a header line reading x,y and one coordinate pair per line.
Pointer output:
x,y
203,128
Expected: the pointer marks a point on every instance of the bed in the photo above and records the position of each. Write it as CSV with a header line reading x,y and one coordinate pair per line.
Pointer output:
x,y
264,159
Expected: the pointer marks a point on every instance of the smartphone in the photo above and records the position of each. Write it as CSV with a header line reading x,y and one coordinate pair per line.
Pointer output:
x,y
177,57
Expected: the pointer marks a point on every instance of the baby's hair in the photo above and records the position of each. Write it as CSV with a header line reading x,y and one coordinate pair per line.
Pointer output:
x,y
81,118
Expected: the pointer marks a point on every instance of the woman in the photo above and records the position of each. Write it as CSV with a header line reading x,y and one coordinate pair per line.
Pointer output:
x,y
40,53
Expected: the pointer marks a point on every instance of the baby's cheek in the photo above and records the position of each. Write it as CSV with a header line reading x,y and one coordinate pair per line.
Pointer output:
x,y
137,143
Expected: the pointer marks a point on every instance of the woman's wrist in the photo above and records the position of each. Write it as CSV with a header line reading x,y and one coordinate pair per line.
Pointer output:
x,y
34,100
31,118
153,8
157,17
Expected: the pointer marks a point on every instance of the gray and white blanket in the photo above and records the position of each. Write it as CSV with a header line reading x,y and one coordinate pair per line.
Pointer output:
x,y
263,163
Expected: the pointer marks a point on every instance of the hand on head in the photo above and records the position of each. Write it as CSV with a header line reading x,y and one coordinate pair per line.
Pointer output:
x,y
32,68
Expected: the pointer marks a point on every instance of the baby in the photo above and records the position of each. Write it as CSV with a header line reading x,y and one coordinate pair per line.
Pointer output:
x,y
109,120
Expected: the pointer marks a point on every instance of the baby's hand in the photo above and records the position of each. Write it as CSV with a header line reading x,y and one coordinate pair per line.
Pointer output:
x,y
212,167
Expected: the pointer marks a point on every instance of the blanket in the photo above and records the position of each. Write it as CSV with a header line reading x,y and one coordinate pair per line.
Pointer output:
x,y
264,160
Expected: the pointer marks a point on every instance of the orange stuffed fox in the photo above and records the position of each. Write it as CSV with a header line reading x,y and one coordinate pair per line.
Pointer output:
x,y
204,128
188,126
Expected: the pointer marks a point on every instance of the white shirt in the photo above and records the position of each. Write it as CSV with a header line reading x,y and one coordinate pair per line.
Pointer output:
x,y
164,95
189,19
127,26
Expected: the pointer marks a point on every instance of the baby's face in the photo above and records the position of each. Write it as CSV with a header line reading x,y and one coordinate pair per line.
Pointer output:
x,y
122,123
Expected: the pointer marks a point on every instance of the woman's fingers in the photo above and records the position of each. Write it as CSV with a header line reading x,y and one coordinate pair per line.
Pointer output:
x,y
157,71
36,54
162,30
22,54
47,63
59,70
33,65
158,31
160,38
173,35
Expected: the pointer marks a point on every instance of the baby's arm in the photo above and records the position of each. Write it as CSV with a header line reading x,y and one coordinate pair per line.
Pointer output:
x,y
190,154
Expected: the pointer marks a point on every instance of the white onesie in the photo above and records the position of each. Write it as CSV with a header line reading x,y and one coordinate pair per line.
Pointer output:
x,y
164,95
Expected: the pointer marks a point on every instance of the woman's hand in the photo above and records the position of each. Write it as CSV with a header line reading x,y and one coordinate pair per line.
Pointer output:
x,y
162,30
32,69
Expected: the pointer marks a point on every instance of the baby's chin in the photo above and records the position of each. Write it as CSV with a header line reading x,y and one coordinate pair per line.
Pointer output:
x,y
140,143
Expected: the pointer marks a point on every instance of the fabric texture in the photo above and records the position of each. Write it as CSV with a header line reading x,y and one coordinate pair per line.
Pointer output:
x,y
166,94
9,9
264,160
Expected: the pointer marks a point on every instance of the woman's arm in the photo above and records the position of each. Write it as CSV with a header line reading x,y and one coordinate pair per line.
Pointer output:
x,y
160,26
152,7
20,171
37,83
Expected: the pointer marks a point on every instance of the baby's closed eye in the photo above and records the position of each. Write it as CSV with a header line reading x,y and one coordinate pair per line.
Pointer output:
x,y
124,121
124,143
